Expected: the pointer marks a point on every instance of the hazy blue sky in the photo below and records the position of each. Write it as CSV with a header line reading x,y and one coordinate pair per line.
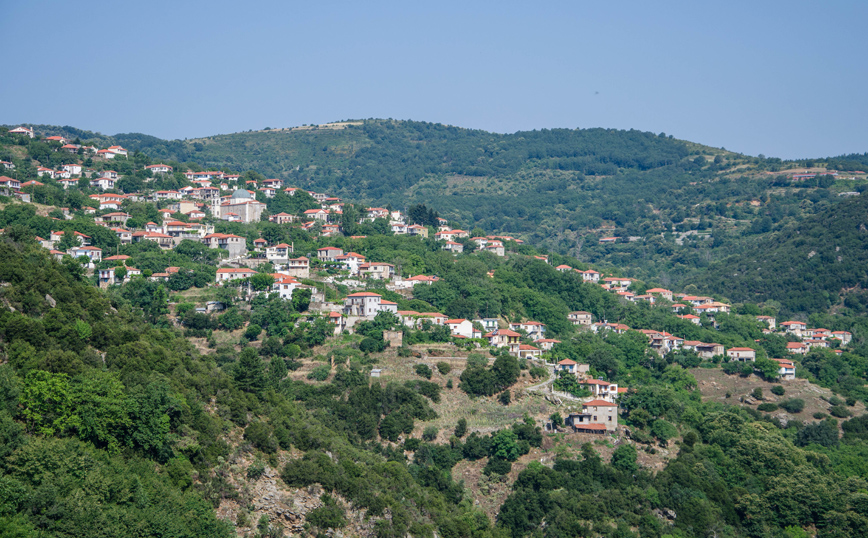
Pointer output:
x,y
787,79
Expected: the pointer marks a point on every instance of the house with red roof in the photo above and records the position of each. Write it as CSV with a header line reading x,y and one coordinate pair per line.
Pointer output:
x,y
279,253
21,131
226,274
453,247
504,338
797,348
367,304
463,327
787,369
741,354
797,328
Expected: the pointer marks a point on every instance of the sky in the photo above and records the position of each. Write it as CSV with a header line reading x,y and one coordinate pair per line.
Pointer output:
x,y
781,78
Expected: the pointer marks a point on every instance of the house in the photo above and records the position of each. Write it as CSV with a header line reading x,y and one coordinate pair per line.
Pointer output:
x,y
117,150
298,267
597,416
504,338
21,131
329,254
235,245
74,169
352,260
572,367
546,344
534,329
103,183
421,279
581,318
797,348
742,354
282,218
609,239
284,285
10,185
453,247
527,351
844,336
600,388
434,317
691,318
705,351
495,247
787,369
225,274
768,320
463,327
590,275
165,241
377,270
367,305
488,324
278,253
93,253
7,165
240,206
43,171
417,230
794,327
317,214
666,294
159,168
118,217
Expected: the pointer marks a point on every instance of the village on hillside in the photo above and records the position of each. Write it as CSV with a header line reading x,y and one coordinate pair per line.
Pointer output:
x,y
214,196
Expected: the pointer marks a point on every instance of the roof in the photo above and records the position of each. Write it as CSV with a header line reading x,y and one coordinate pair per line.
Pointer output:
x,y
225,270
502,332
599,403
589,426
364,294
455,321
526,347
741,349
567,362
595,382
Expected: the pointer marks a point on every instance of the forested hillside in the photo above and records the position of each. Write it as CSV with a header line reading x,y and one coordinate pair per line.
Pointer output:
x,y
805,266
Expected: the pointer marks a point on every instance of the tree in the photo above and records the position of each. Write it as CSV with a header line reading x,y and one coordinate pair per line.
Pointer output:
x,y
249,371
461,428
624,458
261,281
504,445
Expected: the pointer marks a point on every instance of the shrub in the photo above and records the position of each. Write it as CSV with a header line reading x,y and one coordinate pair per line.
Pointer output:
x,y
819,415
255,471
424,370
461,428
328,516
404,351
320,372
411,445
261,435
449,384
497,466
793,405
538,371
778,390
834,400
556,420
767,407
430,434
252,332
505,397
443,368
663,430
851,401
757,393
839,411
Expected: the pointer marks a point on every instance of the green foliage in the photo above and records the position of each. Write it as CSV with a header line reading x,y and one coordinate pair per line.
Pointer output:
x,y
793,405
443,368
461,427
330,515
778,390
423,370
319,373
481,381
430,434
624,458
767,407
663,430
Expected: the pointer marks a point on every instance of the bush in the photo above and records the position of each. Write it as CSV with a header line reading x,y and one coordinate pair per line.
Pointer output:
x,y
320,373
819,415
839,411
411,445
443,368
537,372
497,466
778,390
424,370
461,428
261,436
767,407
372,345
834,400
663,430
252,332
255,471
505,397
851,401
404,351
793,405
328,516
430,434
757,393
449,384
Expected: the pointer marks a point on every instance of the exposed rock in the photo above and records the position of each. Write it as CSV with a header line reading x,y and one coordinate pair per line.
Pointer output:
x,y
50,300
